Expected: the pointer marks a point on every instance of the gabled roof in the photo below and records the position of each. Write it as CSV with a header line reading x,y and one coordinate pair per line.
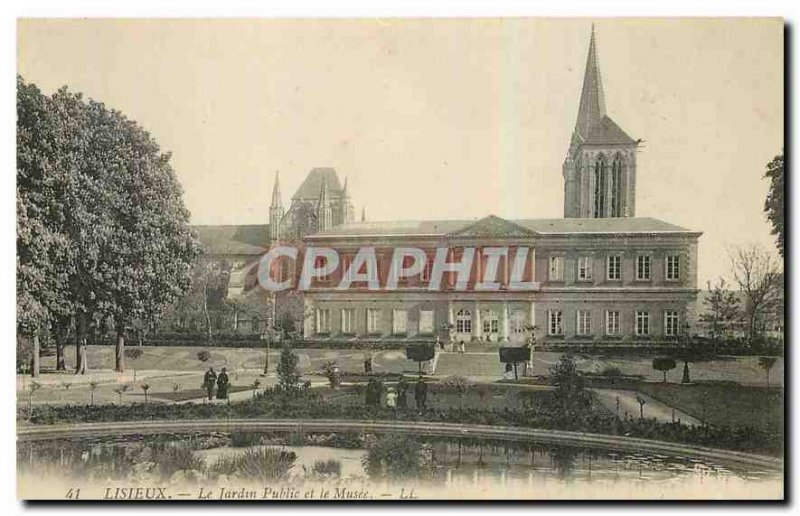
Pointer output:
x,y
493,226
503,227
229,240
312,184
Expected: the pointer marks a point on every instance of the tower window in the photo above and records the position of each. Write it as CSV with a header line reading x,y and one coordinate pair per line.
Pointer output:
x,y
616,187
600,187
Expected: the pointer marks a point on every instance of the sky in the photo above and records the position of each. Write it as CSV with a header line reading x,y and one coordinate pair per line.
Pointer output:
x,y
438,118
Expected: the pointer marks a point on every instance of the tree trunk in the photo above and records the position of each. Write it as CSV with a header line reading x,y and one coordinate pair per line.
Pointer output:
x,y
665,376
80,345
119,355
35,355
61,336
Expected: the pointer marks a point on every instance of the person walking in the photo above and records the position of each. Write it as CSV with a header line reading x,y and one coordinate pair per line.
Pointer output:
x,y
222,385
421,393
209,380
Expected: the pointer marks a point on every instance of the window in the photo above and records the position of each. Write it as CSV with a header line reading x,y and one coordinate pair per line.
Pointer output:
x,y
600,186
556,319
673,267
642,323
491,323
426,321
584,268
670,323
323,320
556,268
399,322
616,186
425,276
320,262
612,322
518,321
583,322
614,267
643,267
348,320
373,320
464,321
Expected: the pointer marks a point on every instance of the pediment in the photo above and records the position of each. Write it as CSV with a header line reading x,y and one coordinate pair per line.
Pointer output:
x,y
494,227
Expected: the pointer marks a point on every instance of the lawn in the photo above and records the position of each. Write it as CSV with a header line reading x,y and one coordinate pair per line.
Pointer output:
x,y
487,397
723,404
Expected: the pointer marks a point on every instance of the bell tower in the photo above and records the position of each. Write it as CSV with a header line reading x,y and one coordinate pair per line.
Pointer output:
x,y
600,167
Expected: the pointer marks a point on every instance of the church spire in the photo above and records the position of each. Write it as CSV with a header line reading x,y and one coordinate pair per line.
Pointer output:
x,y
324,211
275,210
363,214
276,191
593,104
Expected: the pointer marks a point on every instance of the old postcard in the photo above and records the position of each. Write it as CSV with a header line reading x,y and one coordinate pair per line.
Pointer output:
x,y
400,259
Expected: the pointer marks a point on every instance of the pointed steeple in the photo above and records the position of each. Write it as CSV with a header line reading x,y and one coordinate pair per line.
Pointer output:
x,y
593,104
324,211
323,200
276,191
276,210
363,214
344,188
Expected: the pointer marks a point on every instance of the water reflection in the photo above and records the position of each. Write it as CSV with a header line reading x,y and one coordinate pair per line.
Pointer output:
x,y
452,462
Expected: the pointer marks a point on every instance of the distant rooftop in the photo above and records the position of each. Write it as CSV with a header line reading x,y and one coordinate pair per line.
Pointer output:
x,y
312,184
493,224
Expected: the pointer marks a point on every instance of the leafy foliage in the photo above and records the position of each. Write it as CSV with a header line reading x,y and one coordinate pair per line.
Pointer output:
x,y
288,375
102,231
395,456
664,364
722,310
773,206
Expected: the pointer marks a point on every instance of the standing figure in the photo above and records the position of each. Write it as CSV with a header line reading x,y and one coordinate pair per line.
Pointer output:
x,y
222,385
209,380
421,393
367,366
402,399
391,401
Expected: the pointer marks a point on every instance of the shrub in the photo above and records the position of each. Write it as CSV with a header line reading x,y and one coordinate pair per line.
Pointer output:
x,y
265,464
245,439
395,456
133,353
327,468
610,371
203,356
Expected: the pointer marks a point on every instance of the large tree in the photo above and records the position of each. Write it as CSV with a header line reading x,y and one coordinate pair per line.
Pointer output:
x,y
773,206
126,246
759,276
42,258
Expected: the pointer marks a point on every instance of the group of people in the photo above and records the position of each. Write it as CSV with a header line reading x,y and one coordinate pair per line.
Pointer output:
x,y
211,379
397,398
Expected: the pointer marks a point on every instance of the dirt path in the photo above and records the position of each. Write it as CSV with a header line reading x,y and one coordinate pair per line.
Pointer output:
x,y
630,406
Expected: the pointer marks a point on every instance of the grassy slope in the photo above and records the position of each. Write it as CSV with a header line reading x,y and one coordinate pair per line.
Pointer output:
x,y
730,405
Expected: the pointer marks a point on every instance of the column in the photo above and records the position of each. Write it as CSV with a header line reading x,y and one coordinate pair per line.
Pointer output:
x,y
504,323
451,320
476,322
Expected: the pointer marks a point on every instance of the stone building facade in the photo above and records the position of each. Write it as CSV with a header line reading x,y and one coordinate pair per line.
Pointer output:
x,y
605,280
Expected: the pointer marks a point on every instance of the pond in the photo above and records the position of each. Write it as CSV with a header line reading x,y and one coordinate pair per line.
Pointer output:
x,y
387,467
